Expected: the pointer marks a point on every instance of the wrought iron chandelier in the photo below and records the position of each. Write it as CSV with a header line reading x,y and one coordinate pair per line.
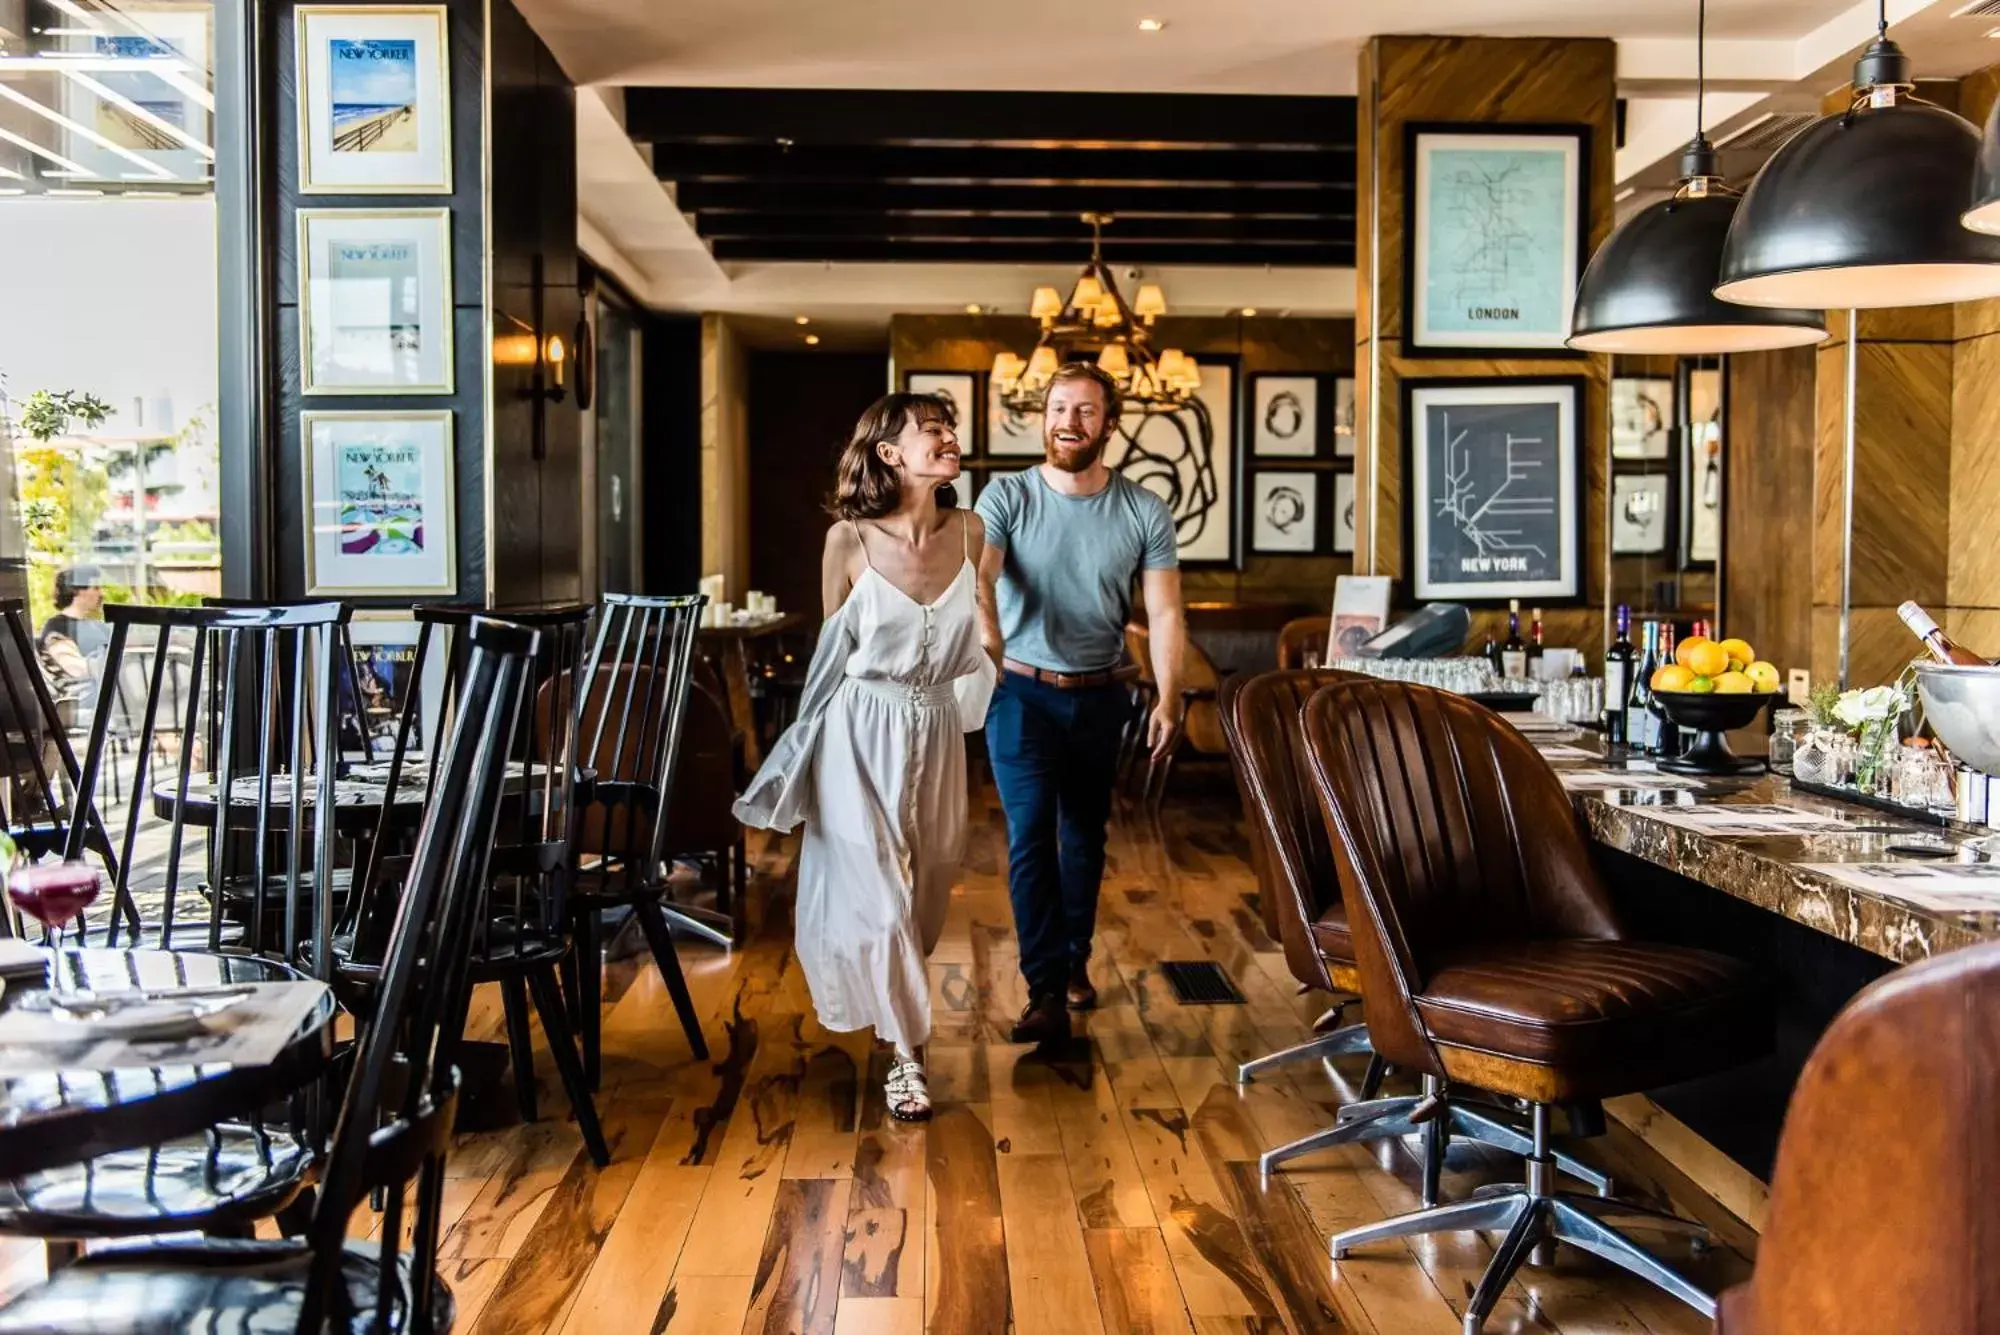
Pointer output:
x,y
1096,318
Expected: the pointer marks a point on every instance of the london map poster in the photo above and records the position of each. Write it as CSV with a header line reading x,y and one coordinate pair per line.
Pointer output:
x,y
1495,242
1494,470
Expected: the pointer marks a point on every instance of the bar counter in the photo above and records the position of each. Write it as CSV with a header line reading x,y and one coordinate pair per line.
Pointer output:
x,y
1775,872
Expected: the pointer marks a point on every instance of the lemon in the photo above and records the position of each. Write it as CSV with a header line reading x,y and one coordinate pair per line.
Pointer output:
x,y
1763,676
1671,677
1707,659
1732,683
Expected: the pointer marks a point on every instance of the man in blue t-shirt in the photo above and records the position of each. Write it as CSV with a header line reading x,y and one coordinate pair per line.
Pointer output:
x,y
1064,543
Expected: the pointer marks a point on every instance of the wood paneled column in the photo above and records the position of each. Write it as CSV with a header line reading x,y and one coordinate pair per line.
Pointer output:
x,y
1467,79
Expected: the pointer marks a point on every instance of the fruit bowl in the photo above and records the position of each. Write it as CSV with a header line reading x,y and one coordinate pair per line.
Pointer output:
x,y
1708,715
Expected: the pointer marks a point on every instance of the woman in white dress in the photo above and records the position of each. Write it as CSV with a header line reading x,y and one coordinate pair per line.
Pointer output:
x,y
874,768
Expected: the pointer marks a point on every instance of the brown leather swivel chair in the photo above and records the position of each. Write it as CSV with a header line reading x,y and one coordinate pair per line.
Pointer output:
x,y
1300,637
1490,956
1872,1234
1301,878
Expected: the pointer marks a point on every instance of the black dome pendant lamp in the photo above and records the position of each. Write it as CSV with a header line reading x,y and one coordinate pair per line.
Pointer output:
x,y
1650,286
1862,209
1984,215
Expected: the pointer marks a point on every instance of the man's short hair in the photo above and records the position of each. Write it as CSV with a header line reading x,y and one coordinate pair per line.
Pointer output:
x,y
1092,372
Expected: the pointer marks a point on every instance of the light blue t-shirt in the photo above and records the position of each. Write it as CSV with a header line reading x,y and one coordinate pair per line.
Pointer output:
x,y
1066,586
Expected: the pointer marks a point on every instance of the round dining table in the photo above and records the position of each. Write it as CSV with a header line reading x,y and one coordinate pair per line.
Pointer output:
x,y
68,1115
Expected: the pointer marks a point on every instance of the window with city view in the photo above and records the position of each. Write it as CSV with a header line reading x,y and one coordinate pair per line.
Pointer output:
x,y
107,310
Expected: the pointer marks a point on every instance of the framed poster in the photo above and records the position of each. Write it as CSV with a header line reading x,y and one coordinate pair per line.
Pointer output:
x,y
132,113
1343,514
385,664
1701,466
1011,432
957,388
1187,457
375,301
1495,489
1494,224
1284,416
374,100
1639,514
379,503
1642,416
1285,512
1343,416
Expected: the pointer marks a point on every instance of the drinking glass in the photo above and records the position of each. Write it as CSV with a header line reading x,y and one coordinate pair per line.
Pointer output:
x,y
53,894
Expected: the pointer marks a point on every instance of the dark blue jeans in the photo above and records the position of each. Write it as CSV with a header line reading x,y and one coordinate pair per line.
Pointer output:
x,y
1055,758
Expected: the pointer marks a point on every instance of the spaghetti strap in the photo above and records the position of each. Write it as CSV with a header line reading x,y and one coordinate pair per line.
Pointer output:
x,y
964,535
866,563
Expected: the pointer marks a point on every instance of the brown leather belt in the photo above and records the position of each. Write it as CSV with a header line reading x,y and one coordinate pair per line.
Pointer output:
x,y
1069,681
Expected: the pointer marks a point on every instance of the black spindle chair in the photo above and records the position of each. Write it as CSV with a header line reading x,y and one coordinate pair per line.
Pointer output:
x,y
395,1120
251,768
522,934
633,710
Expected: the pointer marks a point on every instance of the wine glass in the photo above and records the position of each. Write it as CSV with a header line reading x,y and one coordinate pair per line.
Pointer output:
x,y
53,894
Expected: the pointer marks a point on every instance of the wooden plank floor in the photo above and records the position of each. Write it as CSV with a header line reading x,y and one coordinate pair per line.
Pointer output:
x,y
766,1191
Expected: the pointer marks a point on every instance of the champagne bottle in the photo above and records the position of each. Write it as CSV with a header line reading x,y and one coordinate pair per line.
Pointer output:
x,y
1638,719
1513,653
1943,648
1535,642
1666,734
1618,665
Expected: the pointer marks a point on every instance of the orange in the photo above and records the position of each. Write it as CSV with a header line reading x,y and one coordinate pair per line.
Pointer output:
x,y
1688,646
1706,659
1672,677
1741,655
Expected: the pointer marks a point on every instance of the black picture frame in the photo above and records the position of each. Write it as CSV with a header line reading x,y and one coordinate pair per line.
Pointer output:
x,y
1320,482
971,436
1670,523
1684,462
1413,133
1325,392
1415,583
1230,505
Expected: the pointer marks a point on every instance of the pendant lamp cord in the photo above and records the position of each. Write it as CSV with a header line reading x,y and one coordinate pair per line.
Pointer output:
x,y
1701,61
1881,18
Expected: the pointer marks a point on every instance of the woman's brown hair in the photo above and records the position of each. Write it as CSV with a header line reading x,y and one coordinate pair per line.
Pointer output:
x,y
864,485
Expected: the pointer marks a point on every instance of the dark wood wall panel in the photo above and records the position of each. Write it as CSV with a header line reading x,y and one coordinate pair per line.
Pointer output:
x,y
1468,79
1768,546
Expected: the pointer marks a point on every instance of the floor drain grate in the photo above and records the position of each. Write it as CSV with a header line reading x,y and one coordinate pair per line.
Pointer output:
x,y
1200,983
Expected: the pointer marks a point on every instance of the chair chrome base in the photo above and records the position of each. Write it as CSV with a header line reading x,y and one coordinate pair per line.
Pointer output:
x,y
1342,1042
1533,1218
701,924
1378,1119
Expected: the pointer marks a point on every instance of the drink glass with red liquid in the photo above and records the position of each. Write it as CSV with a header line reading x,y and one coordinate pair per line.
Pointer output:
x,y
53,894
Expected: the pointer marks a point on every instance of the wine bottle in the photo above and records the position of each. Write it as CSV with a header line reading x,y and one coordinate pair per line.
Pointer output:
x,y
1666,734
1943,648
1535,642
1618,664
1513,653
1638,721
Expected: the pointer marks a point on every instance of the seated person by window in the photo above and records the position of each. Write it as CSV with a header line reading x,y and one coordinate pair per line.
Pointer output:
x,y
74,640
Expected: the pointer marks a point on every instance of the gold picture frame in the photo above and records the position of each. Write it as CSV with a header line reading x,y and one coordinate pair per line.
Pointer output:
x,y
367,125
418,491
345,346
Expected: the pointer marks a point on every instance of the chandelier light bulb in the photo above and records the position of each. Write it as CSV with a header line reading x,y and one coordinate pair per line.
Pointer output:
x,y
1088,293
1114,361
1047,304
1149,303
1007,370
1041,365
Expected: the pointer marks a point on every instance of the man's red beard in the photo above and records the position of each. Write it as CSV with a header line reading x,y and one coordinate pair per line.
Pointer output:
x,y
1075,458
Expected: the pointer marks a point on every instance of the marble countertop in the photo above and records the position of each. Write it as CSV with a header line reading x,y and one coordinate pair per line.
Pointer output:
x,y
1774,871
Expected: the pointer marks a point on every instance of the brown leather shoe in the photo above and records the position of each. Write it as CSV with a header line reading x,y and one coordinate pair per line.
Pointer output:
x,y
1044,1022
1081,996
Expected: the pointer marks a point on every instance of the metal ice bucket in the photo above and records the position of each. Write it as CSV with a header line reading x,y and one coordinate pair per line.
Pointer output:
x,y
1962,705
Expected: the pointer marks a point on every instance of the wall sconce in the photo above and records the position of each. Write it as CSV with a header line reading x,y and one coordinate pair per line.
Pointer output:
x,y
554,356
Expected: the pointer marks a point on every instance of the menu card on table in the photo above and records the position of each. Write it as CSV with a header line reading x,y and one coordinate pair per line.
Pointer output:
x,y
1578,780
1749,819
1942,887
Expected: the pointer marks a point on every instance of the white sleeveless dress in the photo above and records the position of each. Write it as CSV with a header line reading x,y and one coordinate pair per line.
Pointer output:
x,y
875,770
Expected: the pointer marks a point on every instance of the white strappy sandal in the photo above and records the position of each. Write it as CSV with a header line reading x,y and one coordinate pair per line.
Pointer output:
x,y
909,1096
